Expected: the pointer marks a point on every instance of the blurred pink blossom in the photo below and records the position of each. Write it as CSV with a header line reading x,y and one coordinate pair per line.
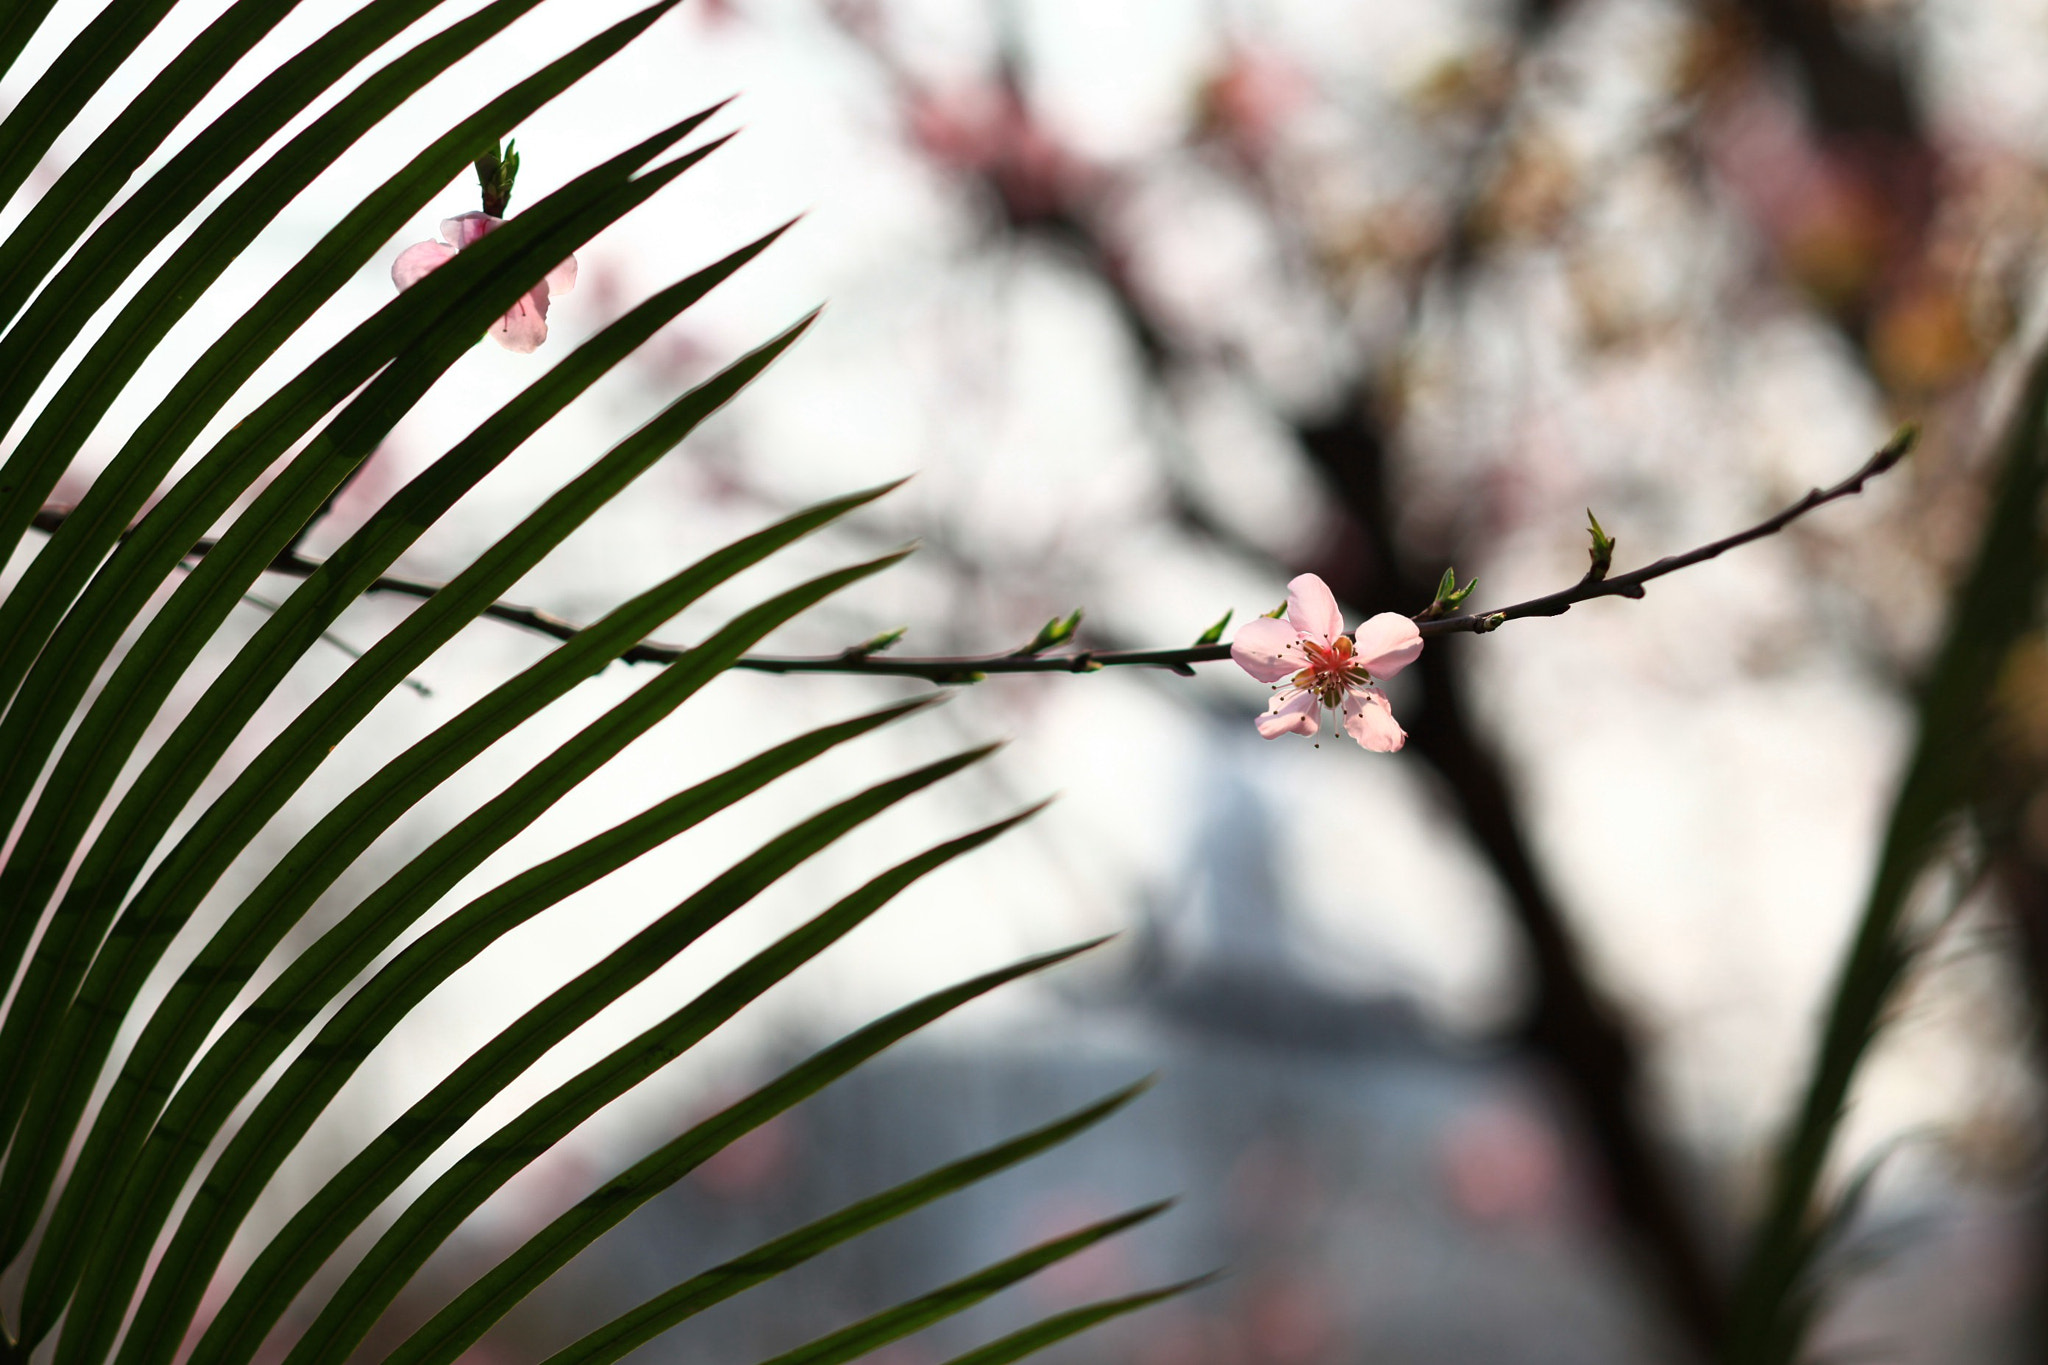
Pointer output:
x,y
988,131
1320,666
1502,1162
1846,214
745,1166
525,326
1293,1320
1250,97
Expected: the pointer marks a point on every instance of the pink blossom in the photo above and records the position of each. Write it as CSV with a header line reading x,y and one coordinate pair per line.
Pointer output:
x,y
1251,97
525,326
1317,666
990,132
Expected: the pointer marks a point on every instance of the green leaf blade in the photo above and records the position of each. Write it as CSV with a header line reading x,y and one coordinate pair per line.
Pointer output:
x,y
260,921
33,126
99,1201
310,1237
1055,1329
920,1313
33,607
402,1250
479,290
146,811
59,218
176,1030
640,1326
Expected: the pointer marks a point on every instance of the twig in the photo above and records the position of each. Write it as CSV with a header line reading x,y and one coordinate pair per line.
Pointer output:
x,y
1594,584
330,638
972,668
48,519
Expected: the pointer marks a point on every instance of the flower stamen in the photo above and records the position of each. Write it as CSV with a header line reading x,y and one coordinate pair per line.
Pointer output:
x,y
1316,667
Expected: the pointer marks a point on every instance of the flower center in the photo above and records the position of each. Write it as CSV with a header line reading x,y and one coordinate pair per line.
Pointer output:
x,y
1332,670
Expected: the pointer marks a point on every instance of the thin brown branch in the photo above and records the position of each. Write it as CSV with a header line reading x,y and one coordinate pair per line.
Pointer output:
x,y
973,668
1631,584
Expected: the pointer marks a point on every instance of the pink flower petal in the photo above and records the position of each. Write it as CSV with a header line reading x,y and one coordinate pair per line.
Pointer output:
x,y
563,277
418,261
525,326
1369,719
468,229
1269,650
1290,713
1313,610
1386,644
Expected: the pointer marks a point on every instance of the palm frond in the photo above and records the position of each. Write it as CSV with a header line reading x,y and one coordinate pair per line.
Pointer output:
x,y
634,1329
110,1208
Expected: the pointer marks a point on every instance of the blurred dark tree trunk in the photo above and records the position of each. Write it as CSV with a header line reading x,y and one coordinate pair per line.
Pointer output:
x,y
1582,1037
